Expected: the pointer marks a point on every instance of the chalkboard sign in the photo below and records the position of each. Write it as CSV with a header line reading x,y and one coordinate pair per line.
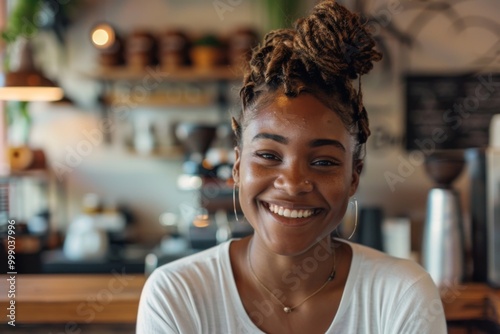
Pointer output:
x,y
450,111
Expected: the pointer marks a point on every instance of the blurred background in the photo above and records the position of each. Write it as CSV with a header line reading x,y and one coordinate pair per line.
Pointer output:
x,y
130,165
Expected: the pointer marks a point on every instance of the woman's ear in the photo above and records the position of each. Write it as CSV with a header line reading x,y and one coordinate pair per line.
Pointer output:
x,y
357,168
236,166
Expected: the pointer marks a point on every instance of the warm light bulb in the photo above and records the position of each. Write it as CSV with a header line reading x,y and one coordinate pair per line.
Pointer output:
x,y
103,36
100,37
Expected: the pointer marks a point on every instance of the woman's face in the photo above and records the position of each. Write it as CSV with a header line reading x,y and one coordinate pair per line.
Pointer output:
x,y
295,172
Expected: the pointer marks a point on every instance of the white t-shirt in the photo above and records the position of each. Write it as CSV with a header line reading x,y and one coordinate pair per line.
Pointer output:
x,y
198,294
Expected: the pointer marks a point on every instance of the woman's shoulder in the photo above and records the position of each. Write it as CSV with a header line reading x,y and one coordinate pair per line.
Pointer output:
x,y
402,294
388,280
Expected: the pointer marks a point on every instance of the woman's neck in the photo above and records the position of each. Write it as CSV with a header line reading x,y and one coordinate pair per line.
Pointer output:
x,y
292,277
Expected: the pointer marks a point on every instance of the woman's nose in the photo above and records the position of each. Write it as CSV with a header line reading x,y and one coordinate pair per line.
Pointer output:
x,y
294,180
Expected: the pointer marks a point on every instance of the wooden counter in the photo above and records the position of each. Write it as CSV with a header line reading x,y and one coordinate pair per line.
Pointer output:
x,y
110,298
113,298
471,302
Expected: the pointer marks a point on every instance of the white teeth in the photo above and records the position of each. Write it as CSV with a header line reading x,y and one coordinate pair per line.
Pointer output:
x,y
281,211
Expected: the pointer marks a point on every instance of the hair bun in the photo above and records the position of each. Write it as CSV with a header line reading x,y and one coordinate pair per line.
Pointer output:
x,y
334,39
278,37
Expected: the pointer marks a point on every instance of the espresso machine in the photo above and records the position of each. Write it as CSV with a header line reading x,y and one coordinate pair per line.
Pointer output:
x,y
195,138
443,240
207,173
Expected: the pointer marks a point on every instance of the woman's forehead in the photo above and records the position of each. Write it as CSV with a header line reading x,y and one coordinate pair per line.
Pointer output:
x,y
302,109
303,115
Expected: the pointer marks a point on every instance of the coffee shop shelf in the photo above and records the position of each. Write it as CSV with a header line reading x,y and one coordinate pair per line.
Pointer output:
x,y
162,100
156,74
114,298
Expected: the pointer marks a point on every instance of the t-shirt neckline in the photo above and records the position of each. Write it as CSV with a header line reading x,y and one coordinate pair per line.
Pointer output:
x,y
236,299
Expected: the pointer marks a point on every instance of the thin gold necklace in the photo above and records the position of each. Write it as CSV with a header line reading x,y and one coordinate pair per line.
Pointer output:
x,y
289,309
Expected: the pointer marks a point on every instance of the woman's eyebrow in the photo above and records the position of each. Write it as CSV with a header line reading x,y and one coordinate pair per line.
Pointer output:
x,y
265,135
313,143
325,142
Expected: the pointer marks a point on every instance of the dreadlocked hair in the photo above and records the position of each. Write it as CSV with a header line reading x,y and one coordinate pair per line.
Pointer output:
x,y
322,55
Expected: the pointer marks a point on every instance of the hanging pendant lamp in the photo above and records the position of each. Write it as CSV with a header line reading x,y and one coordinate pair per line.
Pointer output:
x,y
26,83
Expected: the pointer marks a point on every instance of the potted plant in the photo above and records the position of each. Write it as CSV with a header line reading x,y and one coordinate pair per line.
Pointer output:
x,y
207,52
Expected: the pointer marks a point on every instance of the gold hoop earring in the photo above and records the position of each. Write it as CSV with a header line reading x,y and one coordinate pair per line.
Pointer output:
x,y
234,202
355,205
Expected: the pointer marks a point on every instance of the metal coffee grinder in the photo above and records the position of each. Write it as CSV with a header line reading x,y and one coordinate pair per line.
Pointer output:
x,y
443,240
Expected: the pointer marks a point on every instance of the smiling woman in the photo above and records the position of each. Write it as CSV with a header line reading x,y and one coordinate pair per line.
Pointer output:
x,y
296,155
299,155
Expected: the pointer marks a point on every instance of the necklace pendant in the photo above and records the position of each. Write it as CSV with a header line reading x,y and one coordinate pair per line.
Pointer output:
x,y
287,309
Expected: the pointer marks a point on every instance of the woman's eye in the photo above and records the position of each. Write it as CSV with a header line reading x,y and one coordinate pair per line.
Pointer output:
x,y
267,156
325,163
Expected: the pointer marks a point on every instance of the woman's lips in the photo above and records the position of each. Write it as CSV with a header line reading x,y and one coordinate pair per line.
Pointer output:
x,y
290,212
